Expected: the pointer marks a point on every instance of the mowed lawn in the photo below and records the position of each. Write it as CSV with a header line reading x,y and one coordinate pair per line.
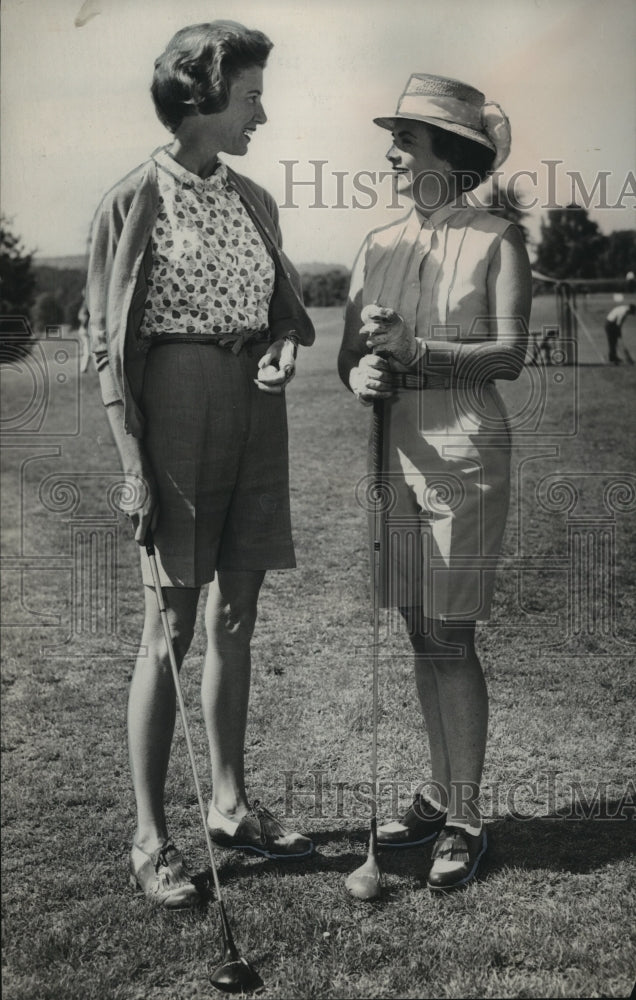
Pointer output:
x,y
551,914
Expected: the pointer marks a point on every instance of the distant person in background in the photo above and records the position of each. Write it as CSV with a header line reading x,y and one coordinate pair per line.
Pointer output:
x,y
613,328
542,344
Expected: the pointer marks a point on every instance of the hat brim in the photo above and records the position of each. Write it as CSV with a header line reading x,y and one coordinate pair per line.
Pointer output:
x,y
463,130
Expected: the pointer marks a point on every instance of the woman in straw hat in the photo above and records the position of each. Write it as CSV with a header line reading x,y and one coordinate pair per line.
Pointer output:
x,y
438,309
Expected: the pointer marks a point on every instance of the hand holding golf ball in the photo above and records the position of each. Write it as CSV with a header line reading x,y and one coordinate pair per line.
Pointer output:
x,y
388,334
277,367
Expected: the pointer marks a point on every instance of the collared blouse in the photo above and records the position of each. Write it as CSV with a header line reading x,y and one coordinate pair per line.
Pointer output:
x,y
211,272
120,263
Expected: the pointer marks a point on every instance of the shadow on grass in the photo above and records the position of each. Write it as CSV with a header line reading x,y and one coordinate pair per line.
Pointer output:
x,y
337,851
556,842
561,843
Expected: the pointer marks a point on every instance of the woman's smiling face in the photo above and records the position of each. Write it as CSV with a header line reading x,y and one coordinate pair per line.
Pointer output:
x,y
418,172
232,128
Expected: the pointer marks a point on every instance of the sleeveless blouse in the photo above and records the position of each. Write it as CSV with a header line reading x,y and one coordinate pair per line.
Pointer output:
x,y
433,271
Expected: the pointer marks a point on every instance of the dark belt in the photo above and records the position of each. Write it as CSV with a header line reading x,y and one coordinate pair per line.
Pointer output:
x,y
233,341
423,380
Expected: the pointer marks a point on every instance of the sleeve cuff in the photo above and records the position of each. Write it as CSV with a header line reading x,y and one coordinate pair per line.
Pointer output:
x,y
110,392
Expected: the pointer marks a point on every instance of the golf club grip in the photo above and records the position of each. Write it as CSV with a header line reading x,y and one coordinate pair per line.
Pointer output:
x,y
377,439
149,543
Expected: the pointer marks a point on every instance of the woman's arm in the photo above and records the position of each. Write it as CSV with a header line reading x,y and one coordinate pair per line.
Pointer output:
x,y
139,496
103,243
509,288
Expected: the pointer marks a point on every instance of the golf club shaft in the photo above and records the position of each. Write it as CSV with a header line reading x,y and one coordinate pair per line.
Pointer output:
x,y
150,549
377,447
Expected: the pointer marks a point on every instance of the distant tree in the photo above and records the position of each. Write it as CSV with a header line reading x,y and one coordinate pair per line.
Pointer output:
x,y
17,283
66,284
502,201
619,256
47,311
570,245
326,288
72,308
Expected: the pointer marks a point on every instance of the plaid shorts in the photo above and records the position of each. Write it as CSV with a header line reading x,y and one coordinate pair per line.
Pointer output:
x,y
218,448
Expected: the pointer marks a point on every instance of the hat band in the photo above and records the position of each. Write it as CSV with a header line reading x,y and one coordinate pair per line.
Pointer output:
x,y
447,108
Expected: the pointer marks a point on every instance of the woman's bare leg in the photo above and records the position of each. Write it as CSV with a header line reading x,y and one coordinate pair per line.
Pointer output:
x,y
225,687
454,700
151,708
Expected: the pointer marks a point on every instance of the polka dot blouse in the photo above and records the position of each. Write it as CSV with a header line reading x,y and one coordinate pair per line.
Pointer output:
x,y
211,272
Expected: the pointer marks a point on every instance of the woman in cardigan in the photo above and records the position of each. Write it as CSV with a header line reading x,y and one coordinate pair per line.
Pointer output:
x,y
438,309
195,318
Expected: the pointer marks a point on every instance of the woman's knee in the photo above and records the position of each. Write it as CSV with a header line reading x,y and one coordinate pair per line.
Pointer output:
x,y
456,655
233,606
181,615
238,617
154,646
437,640
456,643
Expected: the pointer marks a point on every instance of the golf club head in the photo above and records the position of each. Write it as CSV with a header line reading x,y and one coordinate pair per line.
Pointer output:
x,y
366,881
236,975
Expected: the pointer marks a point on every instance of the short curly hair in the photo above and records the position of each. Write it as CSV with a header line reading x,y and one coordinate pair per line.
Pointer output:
x,y
196,70
471,162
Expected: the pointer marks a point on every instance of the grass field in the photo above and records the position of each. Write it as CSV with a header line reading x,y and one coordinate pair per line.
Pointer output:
x,y
552,912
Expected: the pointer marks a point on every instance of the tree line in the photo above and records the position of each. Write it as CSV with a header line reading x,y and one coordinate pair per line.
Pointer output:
x,y
571,245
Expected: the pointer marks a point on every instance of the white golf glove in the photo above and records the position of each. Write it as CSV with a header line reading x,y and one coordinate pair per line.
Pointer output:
x,y
277,367
371,379
388,334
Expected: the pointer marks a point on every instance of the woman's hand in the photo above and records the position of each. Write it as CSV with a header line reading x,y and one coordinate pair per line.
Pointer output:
x,y
371,379
387,333
277,367
138,497
139,501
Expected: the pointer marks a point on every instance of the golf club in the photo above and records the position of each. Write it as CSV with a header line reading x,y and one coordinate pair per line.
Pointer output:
x,y
234,974
366,881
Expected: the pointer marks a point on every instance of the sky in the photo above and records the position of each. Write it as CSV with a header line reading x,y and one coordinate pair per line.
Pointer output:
x,y
77,114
